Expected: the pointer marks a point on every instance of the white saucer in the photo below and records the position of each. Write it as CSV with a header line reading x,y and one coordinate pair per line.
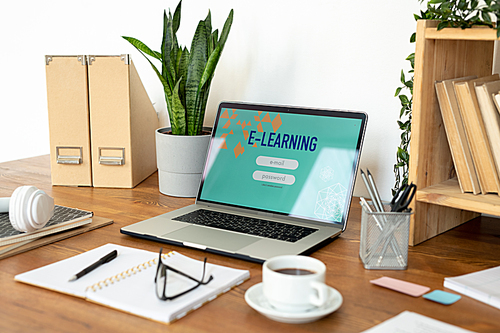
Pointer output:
x,y
256,299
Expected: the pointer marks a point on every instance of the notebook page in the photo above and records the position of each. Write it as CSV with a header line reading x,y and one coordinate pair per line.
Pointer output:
x,y
135,293
411,322
483,285
56,276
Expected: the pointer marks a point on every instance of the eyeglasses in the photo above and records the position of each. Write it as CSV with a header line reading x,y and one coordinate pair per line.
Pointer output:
x,y
161,280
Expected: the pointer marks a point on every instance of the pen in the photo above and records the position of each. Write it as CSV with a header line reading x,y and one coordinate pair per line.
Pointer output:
x,y
107,258
377,199
367,206
369,188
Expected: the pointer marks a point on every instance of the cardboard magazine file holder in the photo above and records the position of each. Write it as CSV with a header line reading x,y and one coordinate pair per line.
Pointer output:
x,y
69,127
121,125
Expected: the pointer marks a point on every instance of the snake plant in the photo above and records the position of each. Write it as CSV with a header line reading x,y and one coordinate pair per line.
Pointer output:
x,y
186,75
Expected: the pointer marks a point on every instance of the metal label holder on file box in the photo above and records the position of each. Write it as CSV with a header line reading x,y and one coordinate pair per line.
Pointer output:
x,y
69,159
111,160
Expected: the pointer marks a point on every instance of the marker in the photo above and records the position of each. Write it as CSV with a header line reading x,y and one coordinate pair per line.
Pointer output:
x,y
107,258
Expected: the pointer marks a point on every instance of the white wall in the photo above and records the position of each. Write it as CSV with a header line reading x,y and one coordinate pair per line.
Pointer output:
x,y
318,53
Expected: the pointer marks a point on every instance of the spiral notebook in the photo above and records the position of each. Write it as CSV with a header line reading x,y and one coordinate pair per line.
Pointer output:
x,y
127,282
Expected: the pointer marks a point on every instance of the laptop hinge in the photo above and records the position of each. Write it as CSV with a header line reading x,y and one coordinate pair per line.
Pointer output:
x,y
265,214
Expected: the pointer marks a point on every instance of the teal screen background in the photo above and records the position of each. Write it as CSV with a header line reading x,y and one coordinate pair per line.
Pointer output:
x,y
322,176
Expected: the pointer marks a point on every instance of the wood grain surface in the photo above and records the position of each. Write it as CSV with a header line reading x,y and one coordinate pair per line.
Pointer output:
x,y
23,308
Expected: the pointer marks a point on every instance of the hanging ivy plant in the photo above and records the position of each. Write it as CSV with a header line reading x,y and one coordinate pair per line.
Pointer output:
x,y
452,13
465,14
401,167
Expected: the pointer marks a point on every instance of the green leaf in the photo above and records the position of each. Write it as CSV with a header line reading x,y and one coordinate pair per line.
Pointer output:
x,y
166,89
166,74
398,90
177,18
201,108
442,25
173,59
177,116
208,26
215,37
177,62
197,60
402,111
166,48
209,69
404,99
403,155
402,77
142,47
486,17
413,37
162,79
182,72
204,86
226,29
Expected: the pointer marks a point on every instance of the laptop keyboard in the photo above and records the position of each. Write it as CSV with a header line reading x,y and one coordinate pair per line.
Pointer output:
x,y
247,225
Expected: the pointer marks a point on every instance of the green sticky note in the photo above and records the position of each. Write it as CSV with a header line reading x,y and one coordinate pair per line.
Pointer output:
x,y
442,297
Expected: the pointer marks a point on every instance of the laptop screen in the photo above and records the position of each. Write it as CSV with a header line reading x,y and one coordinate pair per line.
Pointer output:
x,y
292,161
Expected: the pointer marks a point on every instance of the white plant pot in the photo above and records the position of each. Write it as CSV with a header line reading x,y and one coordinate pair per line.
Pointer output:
x,y
180,160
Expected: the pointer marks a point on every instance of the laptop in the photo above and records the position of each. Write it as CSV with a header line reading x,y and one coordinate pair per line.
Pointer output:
x,y
277,180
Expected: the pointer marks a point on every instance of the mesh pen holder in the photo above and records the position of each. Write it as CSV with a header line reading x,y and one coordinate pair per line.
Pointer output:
x,y
384,239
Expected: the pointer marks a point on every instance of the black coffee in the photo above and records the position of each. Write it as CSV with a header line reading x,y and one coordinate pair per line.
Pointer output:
x,y
294,271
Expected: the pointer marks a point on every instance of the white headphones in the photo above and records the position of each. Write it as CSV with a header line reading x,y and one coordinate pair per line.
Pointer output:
x,y
29,208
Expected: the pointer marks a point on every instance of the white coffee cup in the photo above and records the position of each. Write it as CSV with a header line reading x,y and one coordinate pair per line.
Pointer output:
x,y
289,292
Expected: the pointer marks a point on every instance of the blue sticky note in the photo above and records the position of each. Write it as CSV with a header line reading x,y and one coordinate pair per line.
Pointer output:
x,y
442,297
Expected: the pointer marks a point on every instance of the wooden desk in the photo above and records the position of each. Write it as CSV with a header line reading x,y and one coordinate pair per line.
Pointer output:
x,y
23,308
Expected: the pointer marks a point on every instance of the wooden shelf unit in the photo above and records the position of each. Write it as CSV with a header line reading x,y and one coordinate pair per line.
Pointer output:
x,y
439,55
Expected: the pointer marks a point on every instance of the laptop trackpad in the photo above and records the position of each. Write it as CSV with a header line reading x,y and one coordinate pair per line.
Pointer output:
x,y
212,238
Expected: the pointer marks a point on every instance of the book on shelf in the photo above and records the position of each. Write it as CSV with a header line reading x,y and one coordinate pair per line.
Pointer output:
x,y
496,99
485,96
127,283
455,132
476,133
483,286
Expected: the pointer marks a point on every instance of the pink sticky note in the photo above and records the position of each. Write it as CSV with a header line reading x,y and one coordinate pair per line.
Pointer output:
x,y
404,287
